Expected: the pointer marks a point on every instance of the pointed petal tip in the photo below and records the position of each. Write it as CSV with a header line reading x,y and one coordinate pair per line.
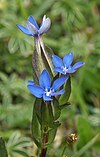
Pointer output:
x,y
30,82
44,17
57,61
68,59
32,20
45,80
45,26
62,91
24,30
78,65
83,63
32,28
36,90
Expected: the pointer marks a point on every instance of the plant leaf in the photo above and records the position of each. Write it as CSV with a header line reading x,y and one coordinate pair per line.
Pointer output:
x,y
64,97
84,131
21,152
56,109
3,151
36,132
47,115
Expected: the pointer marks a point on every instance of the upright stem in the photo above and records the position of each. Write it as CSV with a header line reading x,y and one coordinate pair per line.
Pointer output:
x,y
45,140
43,152
63,151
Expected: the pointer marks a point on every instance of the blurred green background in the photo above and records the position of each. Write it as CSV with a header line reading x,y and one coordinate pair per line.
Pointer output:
x,y
75,28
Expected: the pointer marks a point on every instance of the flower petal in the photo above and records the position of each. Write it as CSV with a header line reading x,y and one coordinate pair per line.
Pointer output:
x,y
46,98
32,20
77,65
45,26
30,82
24,30
32,28
59,82
68,59
71,70
57,69
45,80
58,93
36,90
57,61
44,18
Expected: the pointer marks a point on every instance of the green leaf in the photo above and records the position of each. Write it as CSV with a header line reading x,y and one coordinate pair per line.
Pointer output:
x,y
84,131
36,131
64,97
47,115
21,152
13,45
37,108
64,105
3,151
52,134
56,109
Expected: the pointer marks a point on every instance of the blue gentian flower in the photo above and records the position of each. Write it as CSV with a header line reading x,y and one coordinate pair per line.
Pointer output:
x,y
32,28
64,66
46,90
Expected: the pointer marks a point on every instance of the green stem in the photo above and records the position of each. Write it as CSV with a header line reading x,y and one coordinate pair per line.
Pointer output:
x,y
44,141
63,150
43,152
23,10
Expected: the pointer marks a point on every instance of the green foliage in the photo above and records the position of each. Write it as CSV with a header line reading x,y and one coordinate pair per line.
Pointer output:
x,y
3,151
75,27
64,98
17,144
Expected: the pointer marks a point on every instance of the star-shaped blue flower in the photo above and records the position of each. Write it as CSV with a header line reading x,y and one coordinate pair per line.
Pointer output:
x,y
32,28
64,66
46,90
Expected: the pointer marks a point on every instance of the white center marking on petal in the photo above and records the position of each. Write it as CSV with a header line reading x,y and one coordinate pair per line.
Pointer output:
x,y
66,69
48,93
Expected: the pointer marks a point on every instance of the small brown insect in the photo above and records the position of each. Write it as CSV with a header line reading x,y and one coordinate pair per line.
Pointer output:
x,y
71,138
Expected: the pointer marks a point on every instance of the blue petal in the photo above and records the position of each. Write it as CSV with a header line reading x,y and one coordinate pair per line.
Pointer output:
x,y
47,98
24,30
32,20
59,82
45,26
45,80
57,69
36,90
77,65
32,28
30,82
57,61
68,59
71,70
44,18
58,93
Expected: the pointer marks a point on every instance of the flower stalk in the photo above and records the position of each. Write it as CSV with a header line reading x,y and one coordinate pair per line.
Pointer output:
x,y
44,142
